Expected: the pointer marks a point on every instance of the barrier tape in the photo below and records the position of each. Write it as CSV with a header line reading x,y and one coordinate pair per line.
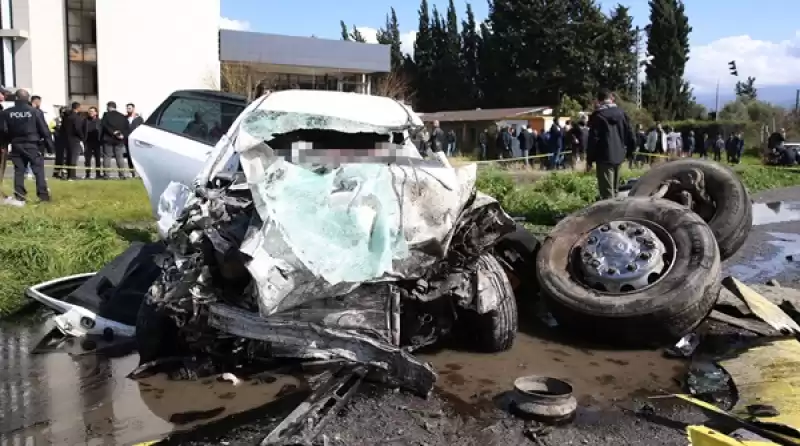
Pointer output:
x,y
100,169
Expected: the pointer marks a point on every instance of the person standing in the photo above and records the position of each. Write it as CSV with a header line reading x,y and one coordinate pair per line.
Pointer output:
x,y
438,138
739,148
451,142
25,128
611,140
527,139
730,147
719,147
580,139
483,141
114,128
134,121
73,130
91,145
60,145
555,144
688,144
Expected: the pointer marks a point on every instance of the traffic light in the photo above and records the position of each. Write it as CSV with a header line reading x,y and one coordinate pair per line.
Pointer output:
x,y
732,65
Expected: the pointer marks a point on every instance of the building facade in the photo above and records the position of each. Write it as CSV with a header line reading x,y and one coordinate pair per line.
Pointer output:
x,y
139,51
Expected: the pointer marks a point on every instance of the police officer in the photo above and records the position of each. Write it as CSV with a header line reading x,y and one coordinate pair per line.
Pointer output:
x,y
23,127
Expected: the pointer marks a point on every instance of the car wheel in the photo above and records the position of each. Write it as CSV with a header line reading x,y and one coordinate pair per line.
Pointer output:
x,y
730,211
630,271
494,330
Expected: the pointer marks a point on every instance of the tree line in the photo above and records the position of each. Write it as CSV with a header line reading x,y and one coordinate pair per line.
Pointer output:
x,y
541,52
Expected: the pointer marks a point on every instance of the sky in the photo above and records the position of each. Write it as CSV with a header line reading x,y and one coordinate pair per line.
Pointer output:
x,y
764,41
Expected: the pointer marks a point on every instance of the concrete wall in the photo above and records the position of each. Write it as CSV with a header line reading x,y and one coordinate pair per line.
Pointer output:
x,y
41,62
146,49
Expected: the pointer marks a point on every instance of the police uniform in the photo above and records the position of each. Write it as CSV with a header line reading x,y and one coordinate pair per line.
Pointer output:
x,y
24,128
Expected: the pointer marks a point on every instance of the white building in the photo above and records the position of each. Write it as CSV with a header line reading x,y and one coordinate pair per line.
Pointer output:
x,y
140,51
95,51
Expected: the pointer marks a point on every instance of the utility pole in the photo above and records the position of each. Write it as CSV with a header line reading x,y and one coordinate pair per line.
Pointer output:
x,y
797,103
637,74
716,106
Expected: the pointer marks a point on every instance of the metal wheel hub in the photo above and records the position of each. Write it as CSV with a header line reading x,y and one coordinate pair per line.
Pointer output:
x,y
621,256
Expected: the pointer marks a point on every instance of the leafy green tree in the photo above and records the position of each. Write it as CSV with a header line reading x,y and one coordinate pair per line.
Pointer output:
x,y
747,89
665,92
345,31
618,72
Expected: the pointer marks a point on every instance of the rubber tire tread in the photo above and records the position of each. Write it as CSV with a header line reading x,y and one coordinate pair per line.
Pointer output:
x,y
657,315
733,219
497,329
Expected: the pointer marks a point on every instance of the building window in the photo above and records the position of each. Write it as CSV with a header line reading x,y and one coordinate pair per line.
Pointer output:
x,y
82,48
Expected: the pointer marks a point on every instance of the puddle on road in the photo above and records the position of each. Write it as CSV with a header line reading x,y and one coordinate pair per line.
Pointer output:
x,y
775,212
773,265
598,377
58,399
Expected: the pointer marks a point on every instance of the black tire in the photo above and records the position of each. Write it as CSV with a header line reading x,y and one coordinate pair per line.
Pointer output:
x,y
733,219
517,251
156,333
657,315
495,330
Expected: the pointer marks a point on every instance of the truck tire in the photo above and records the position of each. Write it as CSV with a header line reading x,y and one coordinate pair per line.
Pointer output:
x,y
658,314
733,215
495,330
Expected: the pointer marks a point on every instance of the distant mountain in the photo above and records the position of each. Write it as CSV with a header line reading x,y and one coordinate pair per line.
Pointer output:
x,y
783,95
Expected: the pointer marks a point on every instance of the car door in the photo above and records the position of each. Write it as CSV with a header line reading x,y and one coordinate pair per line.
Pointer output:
x,y
176,140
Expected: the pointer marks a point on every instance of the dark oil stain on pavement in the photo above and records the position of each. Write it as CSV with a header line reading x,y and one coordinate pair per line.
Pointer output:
x,y
56,398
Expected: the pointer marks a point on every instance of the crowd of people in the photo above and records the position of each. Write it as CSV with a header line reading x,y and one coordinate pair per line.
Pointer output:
x,y
25,137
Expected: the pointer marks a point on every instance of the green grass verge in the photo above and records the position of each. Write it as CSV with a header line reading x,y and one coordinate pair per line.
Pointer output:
x,y
91,222
87,224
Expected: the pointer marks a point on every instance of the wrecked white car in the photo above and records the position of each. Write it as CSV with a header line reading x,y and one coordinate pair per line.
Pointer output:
x,y
314,230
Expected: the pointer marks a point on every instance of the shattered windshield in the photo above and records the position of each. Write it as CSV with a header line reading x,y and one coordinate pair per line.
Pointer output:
x,y
266,124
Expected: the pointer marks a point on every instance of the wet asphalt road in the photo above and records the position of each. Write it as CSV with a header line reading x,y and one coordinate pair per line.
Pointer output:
x,y
61,401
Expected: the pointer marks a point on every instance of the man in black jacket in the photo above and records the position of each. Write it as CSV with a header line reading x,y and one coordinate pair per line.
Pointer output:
x,y
92,147
73,132
114,129
611,139
134,120
24,128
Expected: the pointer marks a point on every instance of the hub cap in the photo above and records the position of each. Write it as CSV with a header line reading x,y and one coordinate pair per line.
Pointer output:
x,y
621,256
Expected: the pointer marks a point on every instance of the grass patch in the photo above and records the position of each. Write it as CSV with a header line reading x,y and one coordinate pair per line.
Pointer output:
x,y
91,222
87,224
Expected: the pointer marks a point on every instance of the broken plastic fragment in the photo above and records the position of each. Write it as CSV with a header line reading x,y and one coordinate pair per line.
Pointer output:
x,y
170,206
685,347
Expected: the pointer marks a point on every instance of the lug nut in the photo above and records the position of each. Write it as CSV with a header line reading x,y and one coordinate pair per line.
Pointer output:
x,y
649,243
622,227
611,271
638,231
605,228
644,256
587,255
595,263
591,240
631,267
